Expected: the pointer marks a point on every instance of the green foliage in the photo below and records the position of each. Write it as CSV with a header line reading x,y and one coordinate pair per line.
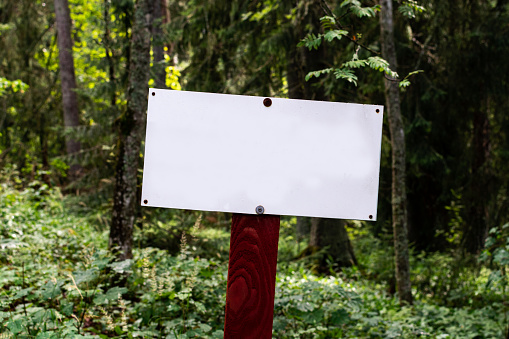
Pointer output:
x,y
346,74
318,73
410,9
57,280
311,41
356,7
14,86
329,23
496,254
381,65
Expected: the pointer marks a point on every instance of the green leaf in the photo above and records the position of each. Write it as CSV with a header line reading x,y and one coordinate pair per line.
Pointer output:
x,y
378,63
363,11
410,8
381,65
200,307
15,326
494,278
340,317
305,306
404,83
346,74
355,64
328,22
351,2
414,73
501,257
112,294
22,293
335,34
121,266
183,296
66,307
118,330
314,317
51,290
85,276
318,73
358,10
205,328
406,11
311,41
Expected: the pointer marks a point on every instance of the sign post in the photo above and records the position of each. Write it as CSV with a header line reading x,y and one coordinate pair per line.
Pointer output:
x,y
251,276
260,158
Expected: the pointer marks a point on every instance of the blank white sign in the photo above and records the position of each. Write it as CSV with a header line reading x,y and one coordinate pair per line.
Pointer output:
x,y
231,153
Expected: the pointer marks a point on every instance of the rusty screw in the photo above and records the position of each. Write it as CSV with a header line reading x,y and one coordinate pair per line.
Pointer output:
x,y
377,110
153,93
267,102
145,201
370,216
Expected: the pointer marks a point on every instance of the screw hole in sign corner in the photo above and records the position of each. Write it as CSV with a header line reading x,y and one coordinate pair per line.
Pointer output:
x,y
153,93
145,201
377,110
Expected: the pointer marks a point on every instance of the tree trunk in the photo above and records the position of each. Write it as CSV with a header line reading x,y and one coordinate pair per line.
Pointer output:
x,y
479,190
331,233
67,78
303,227
159,72
130,135
399,212
295,77
109,53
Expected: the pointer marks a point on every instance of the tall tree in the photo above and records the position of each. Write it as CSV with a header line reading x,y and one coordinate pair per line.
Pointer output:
x,y
67,78
131,125
399,212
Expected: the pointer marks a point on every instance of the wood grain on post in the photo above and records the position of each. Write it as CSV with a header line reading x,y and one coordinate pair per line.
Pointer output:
x,y
251,276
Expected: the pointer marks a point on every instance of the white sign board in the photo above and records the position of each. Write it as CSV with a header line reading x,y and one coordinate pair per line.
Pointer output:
x,y
232,153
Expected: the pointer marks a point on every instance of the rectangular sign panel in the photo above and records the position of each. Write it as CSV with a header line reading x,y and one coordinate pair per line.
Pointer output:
x,y
246,154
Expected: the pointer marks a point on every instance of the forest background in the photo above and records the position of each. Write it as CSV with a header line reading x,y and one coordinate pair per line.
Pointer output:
x,y
79,258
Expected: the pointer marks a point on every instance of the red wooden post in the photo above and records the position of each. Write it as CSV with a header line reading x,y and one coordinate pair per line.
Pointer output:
x,y
251,276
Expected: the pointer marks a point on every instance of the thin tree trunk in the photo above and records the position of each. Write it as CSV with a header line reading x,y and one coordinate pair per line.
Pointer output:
x,y
67,78
109,53
130,135
43,140
158,45
399,212
295,77
479,188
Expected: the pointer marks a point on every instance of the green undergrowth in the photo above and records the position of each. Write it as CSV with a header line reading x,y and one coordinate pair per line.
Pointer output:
x,y
57,280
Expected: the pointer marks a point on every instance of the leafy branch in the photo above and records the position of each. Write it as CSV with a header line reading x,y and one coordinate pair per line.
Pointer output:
x,y
410,8
355,8
335,31
405,82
